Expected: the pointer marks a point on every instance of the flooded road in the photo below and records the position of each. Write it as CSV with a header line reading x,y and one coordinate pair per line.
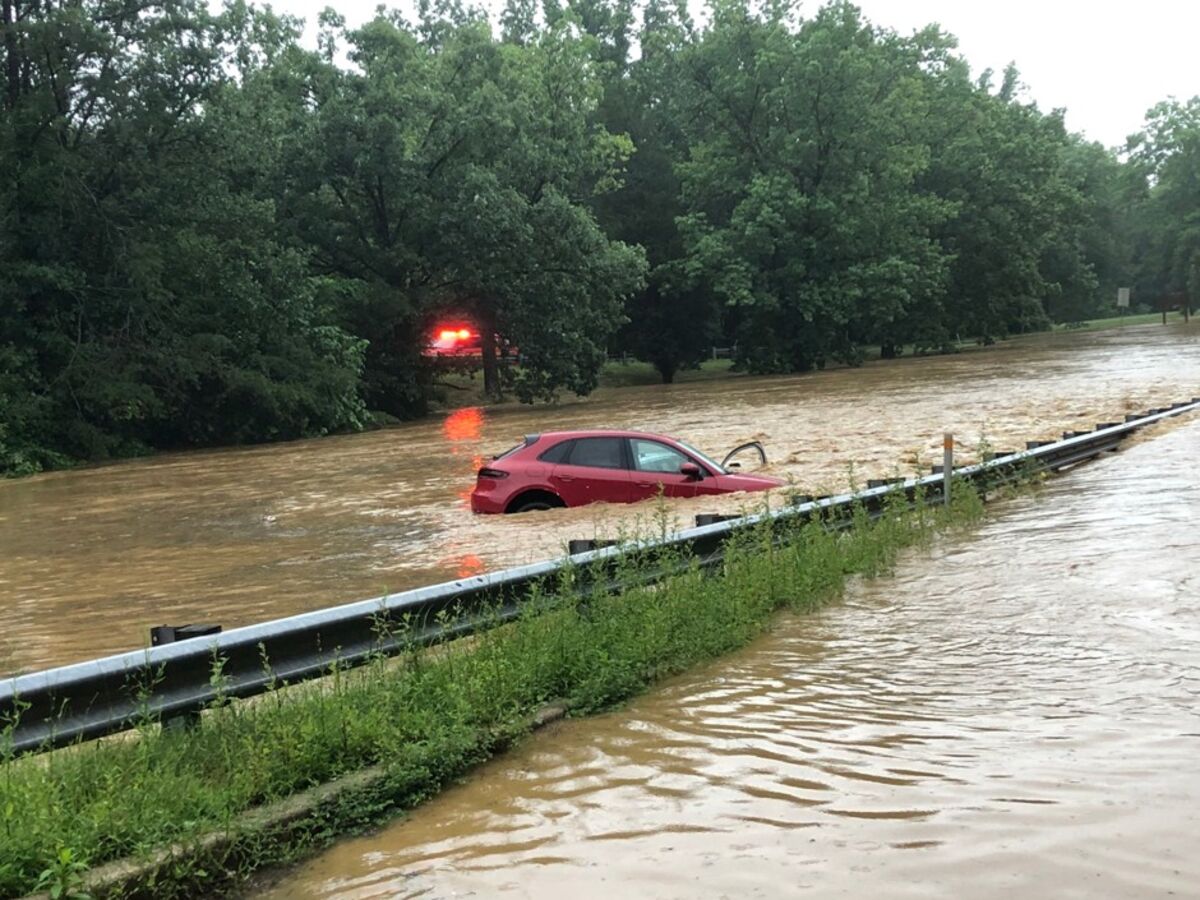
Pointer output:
x,y
90,559
1016,713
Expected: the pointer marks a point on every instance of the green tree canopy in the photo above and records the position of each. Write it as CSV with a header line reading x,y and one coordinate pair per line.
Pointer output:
x,y
451,175
1166,160
800,185
210,234
146,300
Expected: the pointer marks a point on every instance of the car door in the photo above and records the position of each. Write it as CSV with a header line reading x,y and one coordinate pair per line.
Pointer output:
x,y
595,470
656,463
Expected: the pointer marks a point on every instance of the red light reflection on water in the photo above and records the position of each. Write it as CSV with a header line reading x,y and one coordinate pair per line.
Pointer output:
x,y
459,427
468,565
464,424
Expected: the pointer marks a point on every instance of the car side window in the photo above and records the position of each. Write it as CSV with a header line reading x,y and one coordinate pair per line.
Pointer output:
x,y
601,453
557,453
651,456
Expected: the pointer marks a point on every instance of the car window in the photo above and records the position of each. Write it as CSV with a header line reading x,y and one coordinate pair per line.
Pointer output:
x,y
651,456
557,453
530,440
603,453
509,452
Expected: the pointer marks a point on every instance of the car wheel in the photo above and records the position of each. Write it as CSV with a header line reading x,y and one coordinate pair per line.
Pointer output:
x,y
533,506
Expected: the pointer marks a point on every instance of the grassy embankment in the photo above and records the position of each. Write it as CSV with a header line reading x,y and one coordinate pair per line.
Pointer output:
x,y
421,720
468,390
619,374
1119,322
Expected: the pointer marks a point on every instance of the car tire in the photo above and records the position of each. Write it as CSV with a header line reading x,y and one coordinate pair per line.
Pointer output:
x,y
534,506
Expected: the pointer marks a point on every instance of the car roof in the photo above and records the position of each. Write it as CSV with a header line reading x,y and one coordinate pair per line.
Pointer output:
x,y
602,432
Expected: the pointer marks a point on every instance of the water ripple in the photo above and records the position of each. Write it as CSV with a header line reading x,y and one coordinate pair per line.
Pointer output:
x,y
1012,714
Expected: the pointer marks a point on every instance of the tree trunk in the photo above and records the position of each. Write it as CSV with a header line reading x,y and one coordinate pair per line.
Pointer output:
x,y
887,351
486,322
666,368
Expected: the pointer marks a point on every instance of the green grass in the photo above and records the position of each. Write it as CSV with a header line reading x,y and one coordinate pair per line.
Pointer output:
x,y
426,717
464,389
1118,322
616,374
457,389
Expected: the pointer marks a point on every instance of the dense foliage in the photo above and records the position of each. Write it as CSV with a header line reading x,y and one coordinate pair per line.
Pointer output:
x,y
209,234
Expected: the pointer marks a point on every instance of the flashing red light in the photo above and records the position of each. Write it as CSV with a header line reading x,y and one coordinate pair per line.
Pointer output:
x,y
454,334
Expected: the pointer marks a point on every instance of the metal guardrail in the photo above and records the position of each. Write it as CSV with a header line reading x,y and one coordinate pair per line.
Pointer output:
x,y
56,707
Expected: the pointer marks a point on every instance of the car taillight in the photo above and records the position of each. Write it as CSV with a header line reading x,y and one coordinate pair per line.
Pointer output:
x,y
487,472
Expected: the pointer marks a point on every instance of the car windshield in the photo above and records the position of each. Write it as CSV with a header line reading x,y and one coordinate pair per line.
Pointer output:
x,y
704,458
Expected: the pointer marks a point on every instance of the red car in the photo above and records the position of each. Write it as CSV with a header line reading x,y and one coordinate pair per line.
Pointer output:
x,y
571,468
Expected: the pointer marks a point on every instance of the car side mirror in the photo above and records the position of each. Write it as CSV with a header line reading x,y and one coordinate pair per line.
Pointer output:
x,y
691,470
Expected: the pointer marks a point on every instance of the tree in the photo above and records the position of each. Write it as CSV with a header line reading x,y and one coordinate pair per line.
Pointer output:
x,y
146,303
675,318
1087,257
1038,233
1165,157
803,207
451,175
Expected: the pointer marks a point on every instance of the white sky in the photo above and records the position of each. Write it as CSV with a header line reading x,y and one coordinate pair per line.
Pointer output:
x,y
1105,62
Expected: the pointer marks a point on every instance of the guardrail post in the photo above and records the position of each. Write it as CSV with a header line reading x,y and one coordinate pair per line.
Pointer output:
x,y
703,519
583,545
170,634
947,466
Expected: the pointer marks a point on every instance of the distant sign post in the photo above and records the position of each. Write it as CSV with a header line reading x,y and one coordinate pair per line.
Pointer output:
x,y
1123,297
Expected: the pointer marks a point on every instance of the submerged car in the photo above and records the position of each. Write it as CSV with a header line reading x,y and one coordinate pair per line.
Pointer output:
x,y
573,468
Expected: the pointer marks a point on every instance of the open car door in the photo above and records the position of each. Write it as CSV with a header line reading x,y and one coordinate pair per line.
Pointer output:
x,y
745,457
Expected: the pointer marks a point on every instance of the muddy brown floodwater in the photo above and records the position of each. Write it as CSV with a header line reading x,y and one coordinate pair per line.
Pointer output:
x,y
90,558
1016,713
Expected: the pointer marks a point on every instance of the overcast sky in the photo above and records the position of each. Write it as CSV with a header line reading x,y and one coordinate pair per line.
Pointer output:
x,y
1106,63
